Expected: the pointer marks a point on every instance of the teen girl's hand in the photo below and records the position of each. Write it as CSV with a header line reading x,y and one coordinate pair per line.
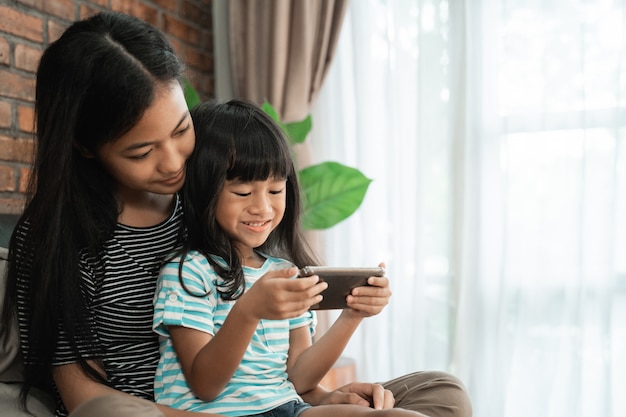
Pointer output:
x,y
276,296
359,393
369,300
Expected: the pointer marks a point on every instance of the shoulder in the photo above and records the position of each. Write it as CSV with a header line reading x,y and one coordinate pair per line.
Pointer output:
x,y
194,270
193,257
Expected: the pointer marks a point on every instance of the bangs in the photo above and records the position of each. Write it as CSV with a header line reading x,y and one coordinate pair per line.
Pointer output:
x,y
257,156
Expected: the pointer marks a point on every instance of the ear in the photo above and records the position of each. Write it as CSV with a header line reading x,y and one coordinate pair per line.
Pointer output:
x,y
86,153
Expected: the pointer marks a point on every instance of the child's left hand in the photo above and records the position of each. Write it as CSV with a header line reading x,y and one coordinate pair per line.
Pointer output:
x,y
370,300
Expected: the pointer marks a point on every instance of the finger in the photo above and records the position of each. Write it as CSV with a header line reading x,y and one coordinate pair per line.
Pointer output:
x,y
376,283
368,301
299,284
352,393
389,400
371,292
353,398
379,402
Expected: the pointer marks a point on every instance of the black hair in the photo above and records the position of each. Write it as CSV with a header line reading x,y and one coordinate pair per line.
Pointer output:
x,y
238,140
93,85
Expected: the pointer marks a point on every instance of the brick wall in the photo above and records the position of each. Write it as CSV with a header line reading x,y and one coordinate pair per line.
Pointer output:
x,y
28,26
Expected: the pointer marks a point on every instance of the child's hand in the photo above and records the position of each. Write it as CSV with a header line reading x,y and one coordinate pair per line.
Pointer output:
x,y
370,300
275,296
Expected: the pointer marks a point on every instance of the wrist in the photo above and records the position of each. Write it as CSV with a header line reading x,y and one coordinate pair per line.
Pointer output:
x,y
351,316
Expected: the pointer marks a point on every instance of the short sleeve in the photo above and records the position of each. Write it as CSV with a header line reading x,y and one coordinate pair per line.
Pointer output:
x,y
307,319
189,300
86,345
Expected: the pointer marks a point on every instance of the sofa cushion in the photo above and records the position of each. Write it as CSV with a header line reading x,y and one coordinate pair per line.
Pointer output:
x,y
10,358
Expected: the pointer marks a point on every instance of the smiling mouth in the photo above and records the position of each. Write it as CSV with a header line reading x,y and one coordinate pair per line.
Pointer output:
x,y
174,179
257,224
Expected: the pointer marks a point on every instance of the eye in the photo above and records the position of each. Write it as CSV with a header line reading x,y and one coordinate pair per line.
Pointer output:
x,y
274,192
241,194
142,156
183,130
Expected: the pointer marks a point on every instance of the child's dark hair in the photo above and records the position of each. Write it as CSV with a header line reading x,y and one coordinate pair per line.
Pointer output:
x,y
238,140
93,85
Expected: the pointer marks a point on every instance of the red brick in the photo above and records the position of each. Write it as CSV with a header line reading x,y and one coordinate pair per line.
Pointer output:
x,y
198,59
24,178
5,114
166,4
181,29
203,83
178,47
56,29
7,178
201,16
60,8
26,119
17,86
5,52
102,3
207,42
12,205
134,8
26,57
86,11
20,24
18,150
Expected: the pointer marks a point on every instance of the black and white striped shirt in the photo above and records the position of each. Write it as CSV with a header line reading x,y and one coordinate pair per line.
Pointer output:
x,y
119,290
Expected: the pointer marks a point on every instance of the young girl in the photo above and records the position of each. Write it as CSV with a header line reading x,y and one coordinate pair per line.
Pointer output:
x,y
236,341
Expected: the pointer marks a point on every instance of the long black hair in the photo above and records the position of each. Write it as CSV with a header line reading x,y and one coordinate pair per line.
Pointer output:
x,y
93,85
238,140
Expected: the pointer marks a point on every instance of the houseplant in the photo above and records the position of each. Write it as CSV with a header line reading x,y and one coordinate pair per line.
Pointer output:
x,y
332,191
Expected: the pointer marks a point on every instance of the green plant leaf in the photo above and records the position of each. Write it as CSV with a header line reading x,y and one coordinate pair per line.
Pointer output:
x,y
298,131
332,192
191,95
269,109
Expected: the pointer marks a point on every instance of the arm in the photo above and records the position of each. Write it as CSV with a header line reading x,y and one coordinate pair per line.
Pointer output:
x,y
308,363
77,388
273,296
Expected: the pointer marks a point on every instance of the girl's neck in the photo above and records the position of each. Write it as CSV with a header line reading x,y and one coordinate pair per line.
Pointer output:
x,y
251,258
145,210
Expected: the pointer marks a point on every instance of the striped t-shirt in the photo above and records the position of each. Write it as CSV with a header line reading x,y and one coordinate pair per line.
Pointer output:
x,y
119,289
260,382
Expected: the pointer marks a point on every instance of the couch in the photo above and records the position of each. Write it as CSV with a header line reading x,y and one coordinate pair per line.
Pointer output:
x,y
39,403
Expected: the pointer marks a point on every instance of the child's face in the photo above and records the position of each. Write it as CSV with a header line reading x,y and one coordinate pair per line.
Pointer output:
x,y
151,157
249,211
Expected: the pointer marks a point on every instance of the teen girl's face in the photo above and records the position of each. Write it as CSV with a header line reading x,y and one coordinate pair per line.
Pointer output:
x,y
249,211
150,158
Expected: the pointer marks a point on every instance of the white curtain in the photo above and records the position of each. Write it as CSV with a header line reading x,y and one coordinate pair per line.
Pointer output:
x,y
495,133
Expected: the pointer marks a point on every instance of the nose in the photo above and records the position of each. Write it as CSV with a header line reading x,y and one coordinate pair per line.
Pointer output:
x,y
260,204
172,160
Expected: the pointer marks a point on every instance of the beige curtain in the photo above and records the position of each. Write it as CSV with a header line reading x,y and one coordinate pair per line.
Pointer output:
x,y
280,50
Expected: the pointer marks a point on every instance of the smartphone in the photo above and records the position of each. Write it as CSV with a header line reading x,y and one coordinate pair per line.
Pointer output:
x,y
341,281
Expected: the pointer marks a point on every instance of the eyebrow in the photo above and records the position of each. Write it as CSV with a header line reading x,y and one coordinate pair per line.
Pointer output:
x,y
148,143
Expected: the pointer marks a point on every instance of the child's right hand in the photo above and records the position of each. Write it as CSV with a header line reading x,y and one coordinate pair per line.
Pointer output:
x,y
276,296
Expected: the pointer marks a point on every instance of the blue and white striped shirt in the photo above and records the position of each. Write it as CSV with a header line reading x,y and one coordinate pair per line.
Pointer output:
x,y
260,382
